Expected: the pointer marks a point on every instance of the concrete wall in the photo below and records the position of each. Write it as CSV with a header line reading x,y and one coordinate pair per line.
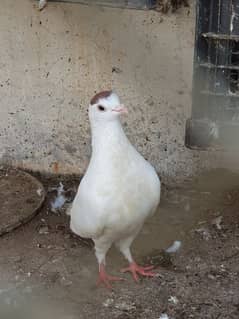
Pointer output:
x,y
52,62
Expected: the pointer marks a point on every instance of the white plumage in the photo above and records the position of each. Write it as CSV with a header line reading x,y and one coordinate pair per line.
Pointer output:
x,y
119,190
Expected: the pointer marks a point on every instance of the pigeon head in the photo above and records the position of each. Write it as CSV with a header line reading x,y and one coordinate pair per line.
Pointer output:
x,y
105,106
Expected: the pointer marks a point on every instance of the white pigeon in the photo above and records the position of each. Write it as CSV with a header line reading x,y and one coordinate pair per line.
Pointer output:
x,y
119,190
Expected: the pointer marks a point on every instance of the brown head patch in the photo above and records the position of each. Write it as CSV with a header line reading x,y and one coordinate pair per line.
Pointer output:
x,y
100,95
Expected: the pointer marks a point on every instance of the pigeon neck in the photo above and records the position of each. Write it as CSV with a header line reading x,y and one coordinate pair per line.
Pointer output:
x,y
106,135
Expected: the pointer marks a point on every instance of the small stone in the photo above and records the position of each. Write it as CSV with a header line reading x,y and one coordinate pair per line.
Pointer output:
x,y
43,230
108,302
203,231
125,306
217,222
222,268
173,300
210,276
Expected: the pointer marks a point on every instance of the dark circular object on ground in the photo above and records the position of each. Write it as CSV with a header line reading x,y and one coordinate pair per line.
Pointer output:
x,y
21,197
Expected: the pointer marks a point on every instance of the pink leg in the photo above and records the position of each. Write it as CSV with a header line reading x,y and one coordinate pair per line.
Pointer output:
x,y
106,279
136,269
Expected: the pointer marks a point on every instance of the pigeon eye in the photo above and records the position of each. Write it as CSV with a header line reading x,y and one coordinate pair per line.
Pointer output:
x,y
101,108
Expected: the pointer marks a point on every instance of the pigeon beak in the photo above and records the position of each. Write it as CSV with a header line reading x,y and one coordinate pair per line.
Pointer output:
x,y
120,109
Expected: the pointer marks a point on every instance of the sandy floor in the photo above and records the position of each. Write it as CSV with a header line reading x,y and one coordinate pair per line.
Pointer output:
x,y
46,272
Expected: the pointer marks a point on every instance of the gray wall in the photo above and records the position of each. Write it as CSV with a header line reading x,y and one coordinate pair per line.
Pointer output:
x,y
52,62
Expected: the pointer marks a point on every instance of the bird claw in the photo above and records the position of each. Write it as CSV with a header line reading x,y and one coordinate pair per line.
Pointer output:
x,y
106,279
136,269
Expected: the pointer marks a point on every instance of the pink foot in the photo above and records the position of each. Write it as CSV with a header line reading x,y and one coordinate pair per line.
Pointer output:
x,y
106,279
136,269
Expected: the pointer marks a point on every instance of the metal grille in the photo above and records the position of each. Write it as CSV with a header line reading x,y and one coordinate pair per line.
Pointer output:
x,y
131,4
216,74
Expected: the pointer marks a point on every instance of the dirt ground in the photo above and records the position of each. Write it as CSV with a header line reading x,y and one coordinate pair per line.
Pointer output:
x,y
47,272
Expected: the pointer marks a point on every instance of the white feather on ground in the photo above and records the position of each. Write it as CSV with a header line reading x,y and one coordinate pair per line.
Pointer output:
x,y
174,247
59,200
42,4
